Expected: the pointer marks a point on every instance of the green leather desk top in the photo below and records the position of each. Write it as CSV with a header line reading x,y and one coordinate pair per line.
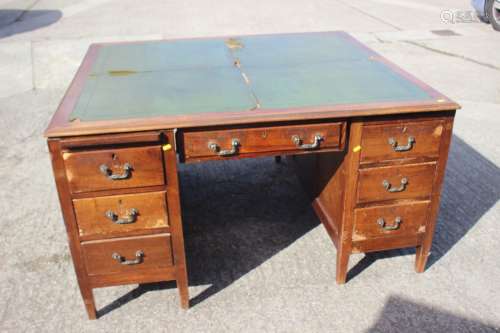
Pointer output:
x,y
197,76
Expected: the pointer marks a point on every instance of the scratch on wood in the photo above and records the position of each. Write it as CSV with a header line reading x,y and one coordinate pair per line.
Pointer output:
x,y
357,237
438,131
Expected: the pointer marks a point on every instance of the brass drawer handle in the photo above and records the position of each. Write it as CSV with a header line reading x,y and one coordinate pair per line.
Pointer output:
x,y
127,172
408,146
138,258
401,188
395,226
131,216
298,142
235,143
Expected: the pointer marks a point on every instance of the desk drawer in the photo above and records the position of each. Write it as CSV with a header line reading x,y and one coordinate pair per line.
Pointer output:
x,y
214,144
110,169
396,182
388,142
127,254
390,221
118,214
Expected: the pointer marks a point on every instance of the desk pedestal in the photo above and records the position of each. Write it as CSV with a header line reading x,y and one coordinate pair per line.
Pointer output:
x,y
383,191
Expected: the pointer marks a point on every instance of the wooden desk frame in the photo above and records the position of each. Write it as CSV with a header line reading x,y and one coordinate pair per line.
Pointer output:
x,y
331,175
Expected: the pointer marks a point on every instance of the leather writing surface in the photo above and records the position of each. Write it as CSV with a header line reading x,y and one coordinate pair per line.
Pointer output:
x,y
157,56
161,78
156,93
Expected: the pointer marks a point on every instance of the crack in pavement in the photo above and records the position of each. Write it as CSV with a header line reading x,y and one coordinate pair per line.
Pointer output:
x,y
20,16
454,55
3,317
25,11
370,15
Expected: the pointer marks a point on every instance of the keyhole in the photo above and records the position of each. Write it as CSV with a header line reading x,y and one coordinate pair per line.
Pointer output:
x,y
114,161
120,206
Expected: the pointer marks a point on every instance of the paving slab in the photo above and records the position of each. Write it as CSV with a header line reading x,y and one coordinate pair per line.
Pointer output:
x,y
16,71
94,18
470,126
453,75
413,15
258,258
55,62
21,16
263,264
11,11
483,49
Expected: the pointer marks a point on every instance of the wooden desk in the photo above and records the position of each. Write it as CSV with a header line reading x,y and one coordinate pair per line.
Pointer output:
x,y
370,143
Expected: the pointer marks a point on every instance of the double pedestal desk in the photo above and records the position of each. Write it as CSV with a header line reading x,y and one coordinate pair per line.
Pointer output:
x,y
369,141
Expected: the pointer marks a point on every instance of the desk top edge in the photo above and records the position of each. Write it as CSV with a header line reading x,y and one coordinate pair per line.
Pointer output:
x,y
60,126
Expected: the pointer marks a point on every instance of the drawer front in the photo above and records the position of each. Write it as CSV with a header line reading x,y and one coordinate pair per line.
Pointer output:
x,y
114,168
388,142
390,221
234,142
127,254
396,182
118,214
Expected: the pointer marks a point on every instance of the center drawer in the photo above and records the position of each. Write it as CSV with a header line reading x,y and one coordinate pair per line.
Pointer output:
x,y
127,254
216,144
109,216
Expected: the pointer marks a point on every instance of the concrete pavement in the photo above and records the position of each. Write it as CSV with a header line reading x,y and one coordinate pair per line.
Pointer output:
x,y
265,264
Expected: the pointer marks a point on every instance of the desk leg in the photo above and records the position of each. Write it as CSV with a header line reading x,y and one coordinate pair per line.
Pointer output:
x,y
70,223
182,285
175,218
88,299
349,168
342,265
423,251
331,181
